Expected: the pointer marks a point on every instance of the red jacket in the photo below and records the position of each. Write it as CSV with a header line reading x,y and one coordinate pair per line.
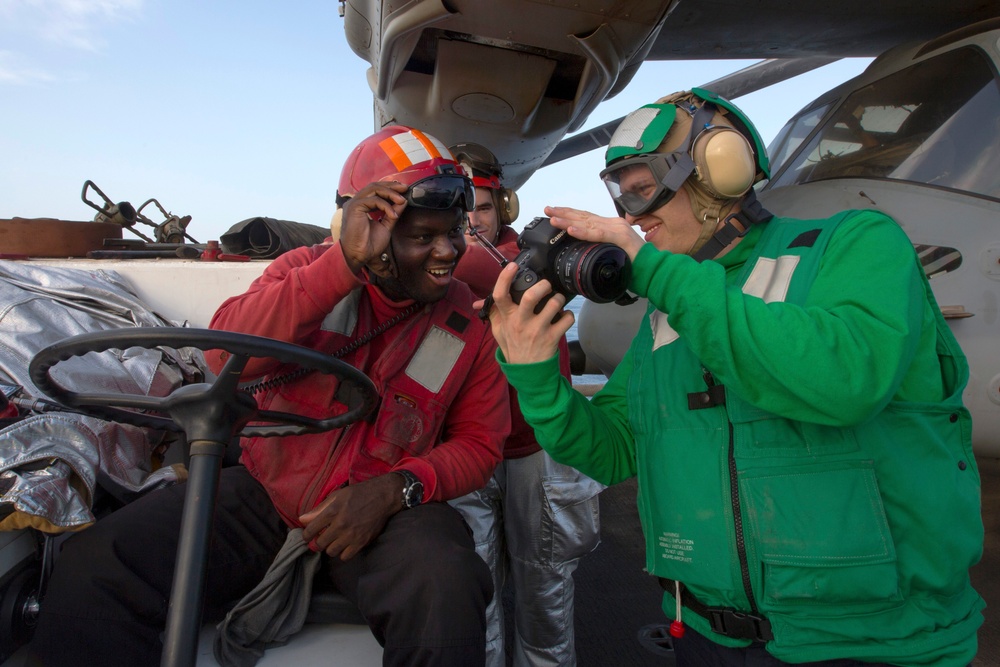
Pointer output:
x,y
480,270
445,421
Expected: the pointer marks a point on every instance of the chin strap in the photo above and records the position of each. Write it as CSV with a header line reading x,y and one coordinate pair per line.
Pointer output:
x,y
751,213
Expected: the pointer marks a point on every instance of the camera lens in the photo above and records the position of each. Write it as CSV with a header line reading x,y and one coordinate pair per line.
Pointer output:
x,y
598,271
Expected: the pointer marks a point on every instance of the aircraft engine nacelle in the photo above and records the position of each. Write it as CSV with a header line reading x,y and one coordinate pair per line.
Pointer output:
x,y
517,75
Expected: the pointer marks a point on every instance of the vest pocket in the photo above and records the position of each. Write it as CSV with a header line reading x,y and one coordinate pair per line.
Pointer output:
x,y
407,425
821,535
764,434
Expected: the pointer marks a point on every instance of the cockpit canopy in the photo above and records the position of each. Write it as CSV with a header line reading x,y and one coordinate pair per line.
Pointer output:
x,y
936,123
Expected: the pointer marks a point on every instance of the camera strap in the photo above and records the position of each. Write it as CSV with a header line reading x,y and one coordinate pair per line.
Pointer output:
x,y
490,249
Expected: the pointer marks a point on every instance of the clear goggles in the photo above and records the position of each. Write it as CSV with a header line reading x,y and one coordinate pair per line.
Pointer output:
x,y
643,183
442,191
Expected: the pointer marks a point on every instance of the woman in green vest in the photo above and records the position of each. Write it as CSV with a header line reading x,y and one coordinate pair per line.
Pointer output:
x,y
791,406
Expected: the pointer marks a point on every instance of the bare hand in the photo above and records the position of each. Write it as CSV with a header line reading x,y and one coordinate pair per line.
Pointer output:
x,y
367,223
524,335
353,516
588,226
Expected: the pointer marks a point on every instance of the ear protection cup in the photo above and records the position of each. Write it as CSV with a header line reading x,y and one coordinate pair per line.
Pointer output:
x,y
506,203
724,161
511,205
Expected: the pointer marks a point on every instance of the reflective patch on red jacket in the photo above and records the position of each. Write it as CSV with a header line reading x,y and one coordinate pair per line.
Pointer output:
x,y
435,358
344,316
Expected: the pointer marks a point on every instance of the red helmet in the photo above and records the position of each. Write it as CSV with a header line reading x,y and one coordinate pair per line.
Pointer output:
x,y
395,153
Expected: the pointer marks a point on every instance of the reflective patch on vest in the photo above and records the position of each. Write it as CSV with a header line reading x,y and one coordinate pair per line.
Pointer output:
x,y
770,278
344,316
663,333
435,358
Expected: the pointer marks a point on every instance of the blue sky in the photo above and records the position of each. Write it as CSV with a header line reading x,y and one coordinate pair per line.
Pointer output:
x,y
230,110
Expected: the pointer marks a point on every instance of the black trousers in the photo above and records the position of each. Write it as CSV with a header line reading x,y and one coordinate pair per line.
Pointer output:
x,y
421,584
695,650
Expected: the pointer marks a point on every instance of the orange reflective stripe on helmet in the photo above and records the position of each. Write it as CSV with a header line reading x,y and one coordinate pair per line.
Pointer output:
x,y
412,147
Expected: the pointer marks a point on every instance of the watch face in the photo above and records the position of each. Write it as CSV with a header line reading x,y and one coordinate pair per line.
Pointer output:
x,y
414,494
413,489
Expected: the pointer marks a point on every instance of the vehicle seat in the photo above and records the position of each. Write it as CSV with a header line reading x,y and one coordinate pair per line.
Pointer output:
x,y
329,606
326,605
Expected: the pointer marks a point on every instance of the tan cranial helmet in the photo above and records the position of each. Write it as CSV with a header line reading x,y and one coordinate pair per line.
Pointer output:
x,y
486,172
691,139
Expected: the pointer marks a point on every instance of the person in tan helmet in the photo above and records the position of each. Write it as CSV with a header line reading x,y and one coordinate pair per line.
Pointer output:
x,y
791,406
535,518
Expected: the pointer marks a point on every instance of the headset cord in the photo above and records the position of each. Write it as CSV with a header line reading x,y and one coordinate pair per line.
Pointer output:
x,y
279,380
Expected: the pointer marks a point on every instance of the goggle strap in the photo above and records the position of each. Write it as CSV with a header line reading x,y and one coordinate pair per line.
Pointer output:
x,y
679,172
701,120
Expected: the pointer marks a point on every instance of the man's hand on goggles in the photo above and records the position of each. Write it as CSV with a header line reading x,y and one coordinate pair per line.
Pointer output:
x,y
367,224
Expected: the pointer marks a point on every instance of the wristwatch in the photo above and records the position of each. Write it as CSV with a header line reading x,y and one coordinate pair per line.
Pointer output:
x,y
413,489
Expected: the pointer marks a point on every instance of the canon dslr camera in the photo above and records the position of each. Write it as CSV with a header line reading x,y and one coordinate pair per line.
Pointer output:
x,y
598,271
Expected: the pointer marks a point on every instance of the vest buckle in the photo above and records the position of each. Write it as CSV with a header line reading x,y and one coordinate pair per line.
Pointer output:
x,y
739,625
714,395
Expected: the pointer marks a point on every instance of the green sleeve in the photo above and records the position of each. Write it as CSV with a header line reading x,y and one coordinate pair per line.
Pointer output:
x,y
836,359
592,436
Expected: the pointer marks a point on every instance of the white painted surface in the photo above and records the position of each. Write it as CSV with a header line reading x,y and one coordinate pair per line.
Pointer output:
x,y
177,289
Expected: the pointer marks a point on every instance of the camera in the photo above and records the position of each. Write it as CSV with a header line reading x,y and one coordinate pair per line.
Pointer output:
x,y
598,271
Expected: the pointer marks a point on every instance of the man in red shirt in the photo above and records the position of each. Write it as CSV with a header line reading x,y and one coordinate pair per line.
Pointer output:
x,y
370,495
535,518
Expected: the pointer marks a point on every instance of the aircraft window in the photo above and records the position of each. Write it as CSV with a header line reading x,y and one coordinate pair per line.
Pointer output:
x,y
936,122
793,134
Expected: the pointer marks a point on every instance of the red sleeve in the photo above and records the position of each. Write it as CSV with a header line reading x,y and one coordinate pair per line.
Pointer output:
x,y
476,426
287,302
480,270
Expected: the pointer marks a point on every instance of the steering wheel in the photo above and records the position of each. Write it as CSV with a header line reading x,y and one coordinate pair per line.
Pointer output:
x,y
216,410
209,414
